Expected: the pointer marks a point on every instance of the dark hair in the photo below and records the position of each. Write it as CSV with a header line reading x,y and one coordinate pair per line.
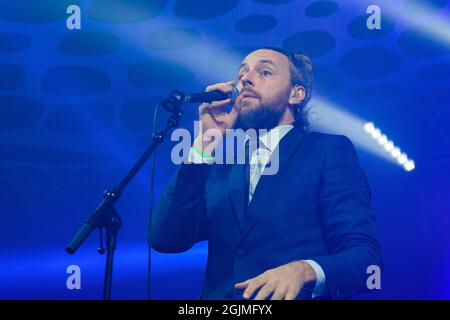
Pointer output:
x,y
301,74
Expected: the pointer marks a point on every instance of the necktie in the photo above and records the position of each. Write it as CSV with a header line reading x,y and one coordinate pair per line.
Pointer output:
x,y
258,161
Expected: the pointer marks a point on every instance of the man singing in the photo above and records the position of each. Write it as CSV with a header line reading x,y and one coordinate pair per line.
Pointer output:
x,y
306,232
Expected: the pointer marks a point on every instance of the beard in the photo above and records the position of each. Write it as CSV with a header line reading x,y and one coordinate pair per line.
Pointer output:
x,y
262,115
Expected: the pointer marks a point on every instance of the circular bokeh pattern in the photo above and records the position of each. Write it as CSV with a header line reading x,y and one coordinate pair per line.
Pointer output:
x,y
173,38
421,45
370,62
18,112
377,95
46,155
320,9
32,11
388,103
81,118
326,80
13,42
89,43
12,76
273,2
357,28
125,11
137,113
434,72
203,10
158,73
314,43
74,80
255,24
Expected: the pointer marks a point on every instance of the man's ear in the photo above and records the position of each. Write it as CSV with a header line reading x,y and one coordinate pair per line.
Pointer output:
x,y
297,95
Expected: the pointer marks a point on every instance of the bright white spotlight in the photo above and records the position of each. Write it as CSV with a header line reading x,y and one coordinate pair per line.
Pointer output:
x,y
396,152
409,166
365,134
382,140
369,127
389,146
402,159
376,133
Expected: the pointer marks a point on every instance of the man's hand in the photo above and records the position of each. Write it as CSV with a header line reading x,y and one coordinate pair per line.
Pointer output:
x,y
214,116
285,282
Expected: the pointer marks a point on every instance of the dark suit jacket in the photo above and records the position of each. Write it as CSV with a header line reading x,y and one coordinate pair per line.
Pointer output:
x,y
316,207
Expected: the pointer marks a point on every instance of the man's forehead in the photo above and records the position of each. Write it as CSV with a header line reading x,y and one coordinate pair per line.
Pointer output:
x,y
266,55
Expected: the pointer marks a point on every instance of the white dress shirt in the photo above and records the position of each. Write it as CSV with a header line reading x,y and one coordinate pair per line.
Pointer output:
x,y
259,159
261,154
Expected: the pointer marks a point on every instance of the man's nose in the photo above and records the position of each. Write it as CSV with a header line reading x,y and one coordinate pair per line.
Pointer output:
x,y
247,80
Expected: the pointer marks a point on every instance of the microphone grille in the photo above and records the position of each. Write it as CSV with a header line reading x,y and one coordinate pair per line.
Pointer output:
x,y
234,94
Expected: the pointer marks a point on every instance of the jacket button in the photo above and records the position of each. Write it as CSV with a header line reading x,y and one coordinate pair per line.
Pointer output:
x,y
229,294
240,253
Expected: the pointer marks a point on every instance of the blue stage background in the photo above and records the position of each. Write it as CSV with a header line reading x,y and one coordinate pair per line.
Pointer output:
x,y
76,110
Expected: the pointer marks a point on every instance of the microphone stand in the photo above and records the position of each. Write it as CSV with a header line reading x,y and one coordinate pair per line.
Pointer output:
x,y
105,215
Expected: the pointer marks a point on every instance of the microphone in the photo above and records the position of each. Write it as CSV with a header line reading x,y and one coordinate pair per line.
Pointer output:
x,y
214,95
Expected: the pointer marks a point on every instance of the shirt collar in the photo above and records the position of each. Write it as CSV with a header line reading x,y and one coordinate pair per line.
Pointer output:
x,y
270,139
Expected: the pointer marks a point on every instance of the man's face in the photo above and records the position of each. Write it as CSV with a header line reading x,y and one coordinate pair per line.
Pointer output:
x,y
264,85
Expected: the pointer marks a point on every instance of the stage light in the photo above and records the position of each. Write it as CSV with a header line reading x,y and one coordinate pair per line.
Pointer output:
x,y
382,140
376,133
409,166
396,152
402,159
389,146
330,118
369,127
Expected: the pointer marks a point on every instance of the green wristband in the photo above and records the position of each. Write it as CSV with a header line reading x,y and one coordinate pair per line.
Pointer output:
x,y
202,153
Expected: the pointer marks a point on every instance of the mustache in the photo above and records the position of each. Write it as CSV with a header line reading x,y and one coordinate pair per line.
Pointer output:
x,y
250,91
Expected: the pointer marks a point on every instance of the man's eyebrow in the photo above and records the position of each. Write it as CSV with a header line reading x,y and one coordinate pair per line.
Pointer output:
x,y
243,64
267,61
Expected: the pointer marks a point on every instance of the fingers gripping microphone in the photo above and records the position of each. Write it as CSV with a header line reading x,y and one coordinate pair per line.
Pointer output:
x,y
210,96
177,98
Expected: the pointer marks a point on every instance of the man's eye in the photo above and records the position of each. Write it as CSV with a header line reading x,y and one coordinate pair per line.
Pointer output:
x,y
265,73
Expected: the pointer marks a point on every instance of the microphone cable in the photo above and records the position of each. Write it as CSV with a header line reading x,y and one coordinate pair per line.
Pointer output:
x,y
150,210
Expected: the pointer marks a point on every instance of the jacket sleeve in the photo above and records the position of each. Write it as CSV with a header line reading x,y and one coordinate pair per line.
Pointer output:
x,y
348,221
179,220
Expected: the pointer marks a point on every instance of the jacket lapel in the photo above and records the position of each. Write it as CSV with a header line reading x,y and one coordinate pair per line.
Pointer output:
x,y
237,192
286,147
